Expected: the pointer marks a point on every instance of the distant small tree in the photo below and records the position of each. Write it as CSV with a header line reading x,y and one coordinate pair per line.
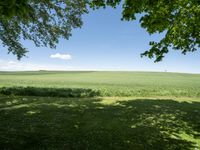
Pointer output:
x,y
45,21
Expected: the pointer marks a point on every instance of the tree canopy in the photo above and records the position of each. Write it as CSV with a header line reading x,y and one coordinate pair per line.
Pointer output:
x,y
41,21
45,21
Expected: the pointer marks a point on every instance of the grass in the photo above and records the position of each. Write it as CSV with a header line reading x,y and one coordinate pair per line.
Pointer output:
x,y
99,110
141,84
99,123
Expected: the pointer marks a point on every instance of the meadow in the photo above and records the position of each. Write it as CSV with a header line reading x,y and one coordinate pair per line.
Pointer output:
x,y
99,110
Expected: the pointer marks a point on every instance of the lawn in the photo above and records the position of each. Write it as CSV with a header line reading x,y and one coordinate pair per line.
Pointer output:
x,y
99,110
99,123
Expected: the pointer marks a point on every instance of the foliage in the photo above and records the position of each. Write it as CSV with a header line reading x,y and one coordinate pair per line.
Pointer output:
x,y
92,124
42,22
178,19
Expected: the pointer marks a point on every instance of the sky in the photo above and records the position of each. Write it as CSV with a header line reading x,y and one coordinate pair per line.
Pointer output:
x,y
104,43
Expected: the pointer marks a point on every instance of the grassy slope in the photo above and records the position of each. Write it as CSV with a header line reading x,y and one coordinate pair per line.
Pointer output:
x,y
102,123
110,83
139,124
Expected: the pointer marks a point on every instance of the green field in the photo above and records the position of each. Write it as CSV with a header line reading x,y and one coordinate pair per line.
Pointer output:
x,y
110,83
99,110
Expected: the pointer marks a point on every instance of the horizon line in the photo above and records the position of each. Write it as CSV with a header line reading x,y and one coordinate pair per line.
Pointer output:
x,y
91,70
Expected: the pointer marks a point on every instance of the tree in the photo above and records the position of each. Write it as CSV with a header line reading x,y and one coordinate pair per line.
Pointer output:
x,y
41,21
178,19
45,21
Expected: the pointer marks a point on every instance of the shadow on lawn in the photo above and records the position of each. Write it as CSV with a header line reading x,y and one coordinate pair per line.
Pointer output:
x,y
50,123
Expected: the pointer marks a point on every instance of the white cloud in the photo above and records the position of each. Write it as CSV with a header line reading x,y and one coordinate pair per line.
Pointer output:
x,y
61,56
6,65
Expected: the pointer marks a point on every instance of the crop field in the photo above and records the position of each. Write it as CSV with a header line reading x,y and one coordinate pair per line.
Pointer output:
x,y
99,110
110,83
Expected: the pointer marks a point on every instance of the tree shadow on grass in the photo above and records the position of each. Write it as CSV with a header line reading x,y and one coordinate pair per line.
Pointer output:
x,y
58,123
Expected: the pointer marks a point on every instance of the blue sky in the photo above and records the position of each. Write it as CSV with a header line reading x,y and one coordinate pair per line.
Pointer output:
x,y
103,43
